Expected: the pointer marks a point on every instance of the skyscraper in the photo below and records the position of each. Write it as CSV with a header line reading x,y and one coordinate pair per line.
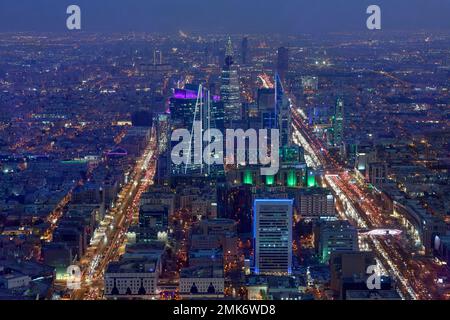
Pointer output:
x,y
283,62
229,89
244,53
338,122
183,104
266,107
283,115
273,106
188,106
272,229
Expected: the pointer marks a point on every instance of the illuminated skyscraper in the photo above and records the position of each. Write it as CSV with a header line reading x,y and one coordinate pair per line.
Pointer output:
x,y
187,106
266,107
272,229
338,122
273,106
283,62
282,112
229,89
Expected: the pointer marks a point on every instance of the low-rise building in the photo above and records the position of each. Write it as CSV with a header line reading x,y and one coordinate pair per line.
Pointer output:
x,y
134,279
202,282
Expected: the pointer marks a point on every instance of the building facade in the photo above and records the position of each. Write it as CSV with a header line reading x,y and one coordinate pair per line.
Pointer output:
x,y
273,236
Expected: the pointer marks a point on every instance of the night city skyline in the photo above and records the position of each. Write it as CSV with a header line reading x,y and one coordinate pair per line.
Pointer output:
x,y
216,153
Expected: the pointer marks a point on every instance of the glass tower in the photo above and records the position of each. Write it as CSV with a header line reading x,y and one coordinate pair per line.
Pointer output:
x,y
338,122
229,90
272,229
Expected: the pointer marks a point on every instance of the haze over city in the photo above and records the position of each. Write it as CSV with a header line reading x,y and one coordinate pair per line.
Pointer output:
x,y
231,16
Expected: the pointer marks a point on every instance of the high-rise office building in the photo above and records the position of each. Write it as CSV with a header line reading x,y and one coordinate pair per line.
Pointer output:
x,y
194,103
315,203
272,229
283,62
245,52
338,122
266,107
377,173
283,115
265,99
157,57
229,89
184,109
273,107
332,236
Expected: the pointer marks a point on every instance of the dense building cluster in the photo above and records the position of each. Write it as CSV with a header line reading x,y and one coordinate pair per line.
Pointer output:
x,y
88,182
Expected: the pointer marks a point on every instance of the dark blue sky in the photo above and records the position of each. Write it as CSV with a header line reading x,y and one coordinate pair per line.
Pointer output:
x,y
248,16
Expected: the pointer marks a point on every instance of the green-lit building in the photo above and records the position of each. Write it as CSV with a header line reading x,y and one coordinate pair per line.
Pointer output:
x,y
293,171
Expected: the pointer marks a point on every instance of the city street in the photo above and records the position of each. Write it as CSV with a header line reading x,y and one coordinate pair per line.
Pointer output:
x,y
123,213
362,212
